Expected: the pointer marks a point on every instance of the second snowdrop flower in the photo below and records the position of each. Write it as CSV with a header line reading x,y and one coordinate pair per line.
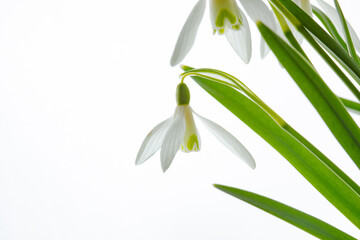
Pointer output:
x,y
180,132
226,18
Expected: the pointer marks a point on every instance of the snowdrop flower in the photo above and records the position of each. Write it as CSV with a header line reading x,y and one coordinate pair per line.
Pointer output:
x,y
226,19
180,132
334,17
259,11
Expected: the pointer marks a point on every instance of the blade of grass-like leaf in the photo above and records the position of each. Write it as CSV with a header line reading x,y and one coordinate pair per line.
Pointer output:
x,y
331,63
189,71
318,93
349,41
351,104
328,60
323,178
325,20
300,20
306,222
346,67
287,31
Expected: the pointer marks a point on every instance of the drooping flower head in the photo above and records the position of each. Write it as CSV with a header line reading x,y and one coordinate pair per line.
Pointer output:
x,y
229,20
180,132
226,18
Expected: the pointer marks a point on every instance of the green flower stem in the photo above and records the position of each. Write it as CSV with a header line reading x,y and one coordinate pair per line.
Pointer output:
x,y
190,73
281,122
350,104
239,85
349,41
300,19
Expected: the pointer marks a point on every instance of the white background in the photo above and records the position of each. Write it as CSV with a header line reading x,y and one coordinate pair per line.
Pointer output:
x,y
81,84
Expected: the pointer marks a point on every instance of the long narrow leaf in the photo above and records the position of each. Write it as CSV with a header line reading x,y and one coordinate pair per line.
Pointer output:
x,y
329,25
326,181
351,104
349,41
304,221
300,19
346,67
281,122
319,94
326,58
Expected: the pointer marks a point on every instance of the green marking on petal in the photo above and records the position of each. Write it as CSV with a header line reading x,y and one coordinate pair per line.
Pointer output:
x,y
236,27
193,143
223,14
226,19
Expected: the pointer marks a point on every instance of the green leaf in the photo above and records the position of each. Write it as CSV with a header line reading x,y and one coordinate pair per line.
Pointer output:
x,y
202,72
324,55
325,20
346,67
349,41
300,20
287,32
304,221
351,104
318,93
323,178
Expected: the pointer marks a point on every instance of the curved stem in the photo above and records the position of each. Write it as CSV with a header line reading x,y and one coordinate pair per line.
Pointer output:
x,y
241,86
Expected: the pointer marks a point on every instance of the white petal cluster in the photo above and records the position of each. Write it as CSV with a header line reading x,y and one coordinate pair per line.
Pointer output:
x,y
227,19
180,132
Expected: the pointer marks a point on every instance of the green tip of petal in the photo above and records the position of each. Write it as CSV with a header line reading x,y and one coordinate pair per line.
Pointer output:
x,y
193,143
224,14
236,27
182,94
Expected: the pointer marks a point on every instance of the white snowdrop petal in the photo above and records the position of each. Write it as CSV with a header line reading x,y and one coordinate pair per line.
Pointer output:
x,y
264,48
258,11
229,141
298,36
188,33
240,40
172,140
306,6
152,141
191,141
